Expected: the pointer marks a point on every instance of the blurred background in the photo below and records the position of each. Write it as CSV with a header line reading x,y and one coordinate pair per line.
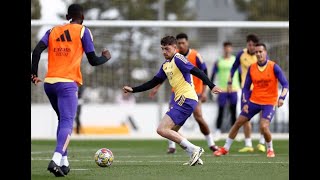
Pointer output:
x,y
136,57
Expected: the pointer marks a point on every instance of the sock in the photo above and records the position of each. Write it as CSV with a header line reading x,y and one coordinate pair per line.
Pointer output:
x,y
262,140
228,143
57,158
248,142
64,161
172,144
189,146
209,140
270,145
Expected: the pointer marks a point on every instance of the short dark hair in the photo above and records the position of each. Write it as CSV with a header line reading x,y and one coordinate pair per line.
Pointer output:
x,y
227,43
262,44
75,11
252,37
181,36
168,40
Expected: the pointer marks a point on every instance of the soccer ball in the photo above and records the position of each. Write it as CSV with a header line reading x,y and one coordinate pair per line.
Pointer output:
x,y
104,157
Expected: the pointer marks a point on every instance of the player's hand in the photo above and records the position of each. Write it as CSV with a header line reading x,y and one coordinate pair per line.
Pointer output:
x,y
246,108
280,102
216,90
204,97
34,79
106,53
229,88
127,89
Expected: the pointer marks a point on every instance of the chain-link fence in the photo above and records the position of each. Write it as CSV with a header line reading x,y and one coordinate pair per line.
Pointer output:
x,y
136,55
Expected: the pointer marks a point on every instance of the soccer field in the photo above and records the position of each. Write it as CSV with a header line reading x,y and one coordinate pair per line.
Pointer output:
x,y
147,159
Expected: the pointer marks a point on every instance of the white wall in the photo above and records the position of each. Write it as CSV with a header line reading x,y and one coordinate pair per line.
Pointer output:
x,y
44,120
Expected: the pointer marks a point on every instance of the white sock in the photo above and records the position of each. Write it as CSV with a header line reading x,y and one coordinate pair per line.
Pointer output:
x,y
248,142
172,144
64,161
228,143
270,145
189,146
262,140
209,140
57,158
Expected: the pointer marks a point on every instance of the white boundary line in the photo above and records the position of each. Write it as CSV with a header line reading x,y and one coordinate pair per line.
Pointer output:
x,y
175,161
160,156
254,136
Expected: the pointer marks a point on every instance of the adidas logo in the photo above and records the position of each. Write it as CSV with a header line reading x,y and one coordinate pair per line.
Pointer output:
x,y
64,36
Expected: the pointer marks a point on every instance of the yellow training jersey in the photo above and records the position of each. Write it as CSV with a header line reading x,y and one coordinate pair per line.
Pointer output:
x,y
177,70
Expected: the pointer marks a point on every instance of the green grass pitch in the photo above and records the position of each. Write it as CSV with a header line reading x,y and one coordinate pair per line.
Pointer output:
x,y
147,160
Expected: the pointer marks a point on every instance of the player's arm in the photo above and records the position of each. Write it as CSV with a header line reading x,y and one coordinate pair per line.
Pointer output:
x,y
202,66
148,85
36,54
88,46
235,66
185,66
246,88
240,71
214,71
157,79
201,75
284,83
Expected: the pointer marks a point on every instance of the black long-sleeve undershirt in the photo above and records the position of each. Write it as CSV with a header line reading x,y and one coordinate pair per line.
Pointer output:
x,y
148,85
200,74
155,81
41,46
205,72
95,60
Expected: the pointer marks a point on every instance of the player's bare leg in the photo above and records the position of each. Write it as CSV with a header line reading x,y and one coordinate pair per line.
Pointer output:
x,y
264,128
232,135
165,129
177,128
261,145
247,128
204,128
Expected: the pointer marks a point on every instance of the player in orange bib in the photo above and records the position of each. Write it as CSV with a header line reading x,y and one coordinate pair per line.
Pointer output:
x,y
66,44
244,59
264,75
194,58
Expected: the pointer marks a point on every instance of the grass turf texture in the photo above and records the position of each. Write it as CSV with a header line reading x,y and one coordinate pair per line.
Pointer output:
x,y
147,159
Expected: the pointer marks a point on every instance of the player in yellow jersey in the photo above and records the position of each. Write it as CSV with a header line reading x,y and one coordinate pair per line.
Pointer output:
x,y
177,69
194,58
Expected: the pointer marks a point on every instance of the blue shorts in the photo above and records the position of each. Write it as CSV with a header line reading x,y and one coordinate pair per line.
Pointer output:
x,y
267,111
180,110
171,101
